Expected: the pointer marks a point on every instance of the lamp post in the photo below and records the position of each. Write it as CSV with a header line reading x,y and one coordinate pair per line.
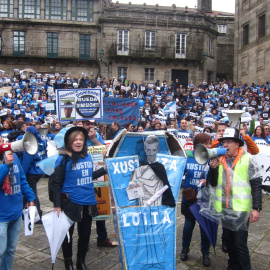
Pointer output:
x,y
101,54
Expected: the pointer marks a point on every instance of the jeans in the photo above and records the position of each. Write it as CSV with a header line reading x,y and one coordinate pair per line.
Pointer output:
x,y
32,180
9,235
101,230
187,235
237,248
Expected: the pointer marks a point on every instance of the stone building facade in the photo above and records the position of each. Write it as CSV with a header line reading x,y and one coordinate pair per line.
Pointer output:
x,y
140,42
252,41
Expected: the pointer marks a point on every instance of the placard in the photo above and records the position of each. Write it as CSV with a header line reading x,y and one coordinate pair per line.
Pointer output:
x,y
79,104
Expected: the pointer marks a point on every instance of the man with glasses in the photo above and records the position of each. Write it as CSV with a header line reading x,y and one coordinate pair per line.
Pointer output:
x,y
237,196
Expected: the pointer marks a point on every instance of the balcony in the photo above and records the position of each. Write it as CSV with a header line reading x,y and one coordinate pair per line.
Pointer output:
x,y
160,52
42,52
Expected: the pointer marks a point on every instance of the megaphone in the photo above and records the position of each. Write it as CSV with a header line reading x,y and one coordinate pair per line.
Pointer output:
x,y
235,117
43,133
202,154
28,144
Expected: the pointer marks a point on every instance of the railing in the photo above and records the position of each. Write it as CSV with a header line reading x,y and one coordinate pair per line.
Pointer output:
x,y
42,52
160,51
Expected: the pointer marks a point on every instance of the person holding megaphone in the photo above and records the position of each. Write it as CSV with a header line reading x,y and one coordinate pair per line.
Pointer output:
x,y
236,196
195,174
13,185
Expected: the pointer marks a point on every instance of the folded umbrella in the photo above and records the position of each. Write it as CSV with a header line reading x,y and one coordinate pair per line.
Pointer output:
x,y
209,227
56,228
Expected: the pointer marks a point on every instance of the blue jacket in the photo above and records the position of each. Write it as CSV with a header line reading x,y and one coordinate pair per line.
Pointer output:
x,y
12,205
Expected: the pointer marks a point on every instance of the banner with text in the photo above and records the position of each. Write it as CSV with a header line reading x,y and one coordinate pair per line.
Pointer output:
x,y
122,110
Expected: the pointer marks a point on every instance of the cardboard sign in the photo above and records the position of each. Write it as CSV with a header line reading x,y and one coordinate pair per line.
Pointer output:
x,y
100,184
30,217
182,136
189,146
103,203
4,90
135,191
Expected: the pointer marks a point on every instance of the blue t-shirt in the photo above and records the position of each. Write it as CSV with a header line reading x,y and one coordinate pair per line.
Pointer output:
x,y
193,173
78,183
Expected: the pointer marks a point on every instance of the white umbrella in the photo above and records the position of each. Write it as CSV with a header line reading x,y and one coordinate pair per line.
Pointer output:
x,y
56,228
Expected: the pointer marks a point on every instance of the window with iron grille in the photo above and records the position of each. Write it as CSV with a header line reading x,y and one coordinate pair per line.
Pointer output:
x,y
6,9
222,28
122,42
149,74
82,10
56,10
18,43
261,28
245,34
85,45
150,40
29,9
52,45
122,71
180,45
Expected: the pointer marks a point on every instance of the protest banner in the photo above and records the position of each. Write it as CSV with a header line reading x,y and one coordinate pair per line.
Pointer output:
x,y
122,110
79,104
262,159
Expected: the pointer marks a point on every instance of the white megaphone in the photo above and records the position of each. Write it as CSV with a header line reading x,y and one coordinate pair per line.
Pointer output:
x,y
28,144
202,154
235,117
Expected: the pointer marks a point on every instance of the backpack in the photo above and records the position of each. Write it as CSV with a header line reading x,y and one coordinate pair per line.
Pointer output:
x,y
61,170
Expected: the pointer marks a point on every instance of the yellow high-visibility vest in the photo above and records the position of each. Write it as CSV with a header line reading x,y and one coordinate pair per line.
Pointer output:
x,y
240,188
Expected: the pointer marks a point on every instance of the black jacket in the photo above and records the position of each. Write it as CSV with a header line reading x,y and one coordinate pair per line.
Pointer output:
x,y
59,176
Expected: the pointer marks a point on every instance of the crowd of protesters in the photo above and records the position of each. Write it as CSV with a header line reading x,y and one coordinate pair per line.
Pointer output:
x,y
28,98
28,104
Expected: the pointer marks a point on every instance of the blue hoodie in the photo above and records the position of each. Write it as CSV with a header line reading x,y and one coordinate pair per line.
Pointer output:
x,y
12,205
29,162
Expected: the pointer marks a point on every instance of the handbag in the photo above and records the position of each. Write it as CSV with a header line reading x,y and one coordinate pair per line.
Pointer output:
x,y
189,194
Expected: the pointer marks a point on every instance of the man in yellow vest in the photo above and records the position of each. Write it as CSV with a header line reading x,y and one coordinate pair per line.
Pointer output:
x,y
237,196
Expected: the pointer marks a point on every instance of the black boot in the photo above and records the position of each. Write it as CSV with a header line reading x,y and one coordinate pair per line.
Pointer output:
x,y
206,260
69,264
224,247
80,265
184,254
82,249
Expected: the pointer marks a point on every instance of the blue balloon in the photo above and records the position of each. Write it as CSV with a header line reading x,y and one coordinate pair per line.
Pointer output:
x,y
141,103
18,90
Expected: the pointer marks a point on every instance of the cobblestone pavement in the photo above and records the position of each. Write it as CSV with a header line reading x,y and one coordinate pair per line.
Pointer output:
x,y
33,252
